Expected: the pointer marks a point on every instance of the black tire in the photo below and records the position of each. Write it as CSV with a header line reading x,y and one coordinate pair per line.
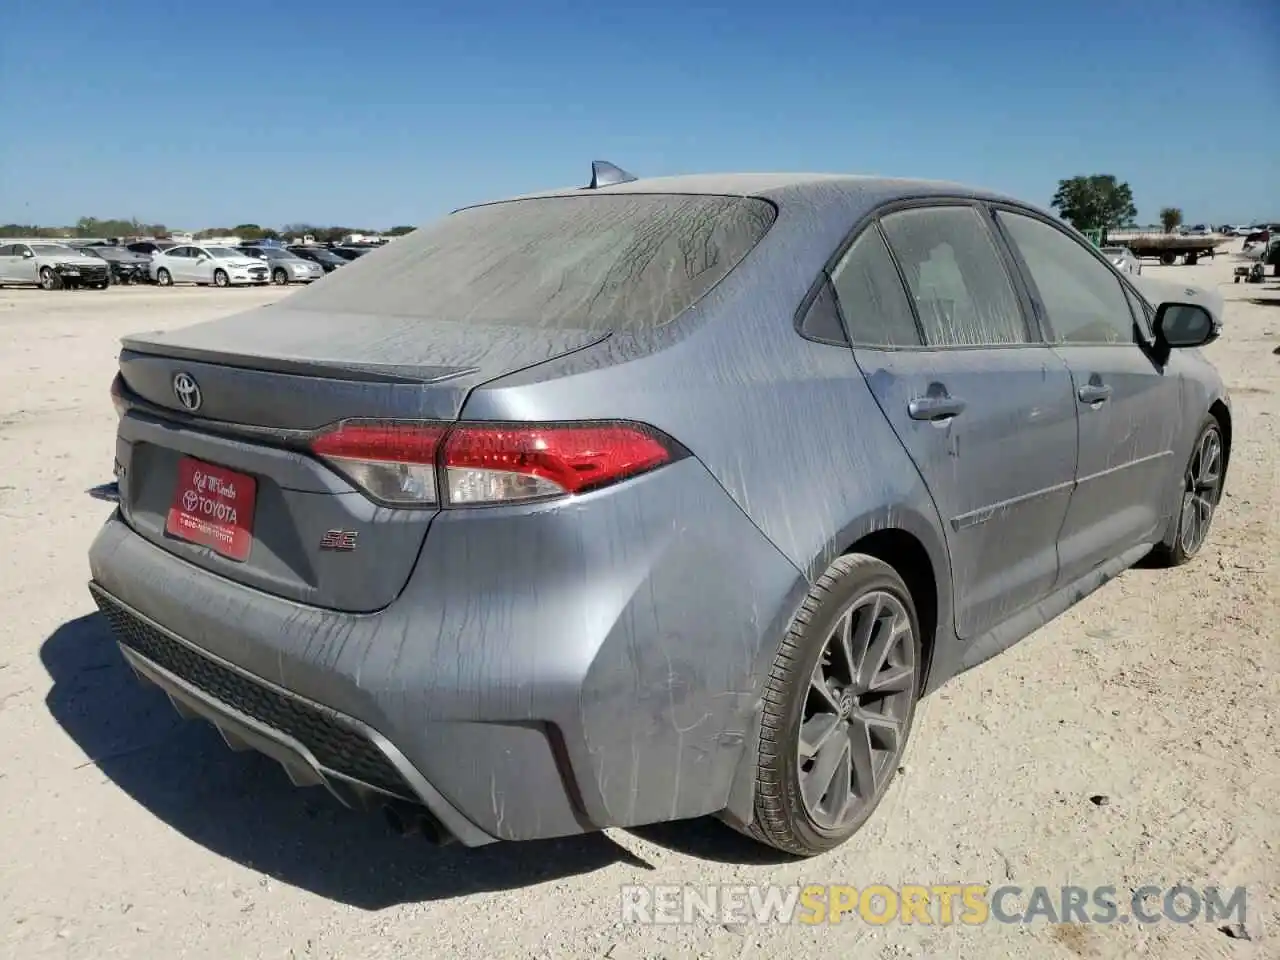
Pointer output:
x,y
801,693
164,278
1202,482
1168,259
50,280
220,278
280,277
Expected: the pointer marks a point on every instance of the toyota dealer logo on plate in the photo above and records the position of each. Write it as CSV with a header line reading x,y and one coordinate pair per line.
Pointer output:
x,y
187,390
213,506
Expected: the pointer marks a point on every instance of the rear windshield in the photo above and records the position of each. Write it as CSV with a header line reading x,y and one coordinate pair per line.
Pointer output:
x,y
621,262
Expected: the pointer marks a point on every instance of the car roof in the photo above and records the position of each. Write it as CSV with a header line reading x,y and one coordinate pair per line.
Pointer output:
x,y
868,190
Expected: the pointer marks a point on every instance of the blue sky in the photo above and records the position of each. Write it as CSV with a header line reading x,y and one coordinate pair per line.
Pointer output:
x,y
382,112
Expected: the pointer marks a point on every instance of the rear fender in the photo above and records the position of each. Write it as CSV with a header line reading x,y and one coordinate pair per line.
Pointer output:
x,y
920,520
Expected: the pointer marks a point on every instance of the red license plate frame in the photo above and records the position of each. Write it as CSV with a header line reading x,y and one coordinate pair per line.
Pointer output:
x,y
213,507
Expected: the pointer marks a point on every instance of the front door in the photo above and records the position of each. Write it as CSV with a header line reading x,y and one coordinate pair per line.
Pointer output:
x,y
23,265
983,407
201,265
1126,400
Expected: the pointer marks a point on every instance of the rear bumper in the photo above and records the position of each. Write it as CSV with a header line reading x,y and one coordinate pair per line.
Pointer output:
x,y
547,670
315,745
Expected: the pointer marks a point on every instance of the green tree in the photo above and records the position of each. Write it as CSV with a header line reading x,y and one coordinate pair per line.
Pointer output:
x,y
400,231
1092,202
1170,217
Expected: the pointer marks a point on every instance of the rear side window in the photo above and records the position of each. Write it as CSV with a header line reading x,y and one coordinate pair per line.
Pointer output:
x,y
872,298
963,293
1083,300
593,262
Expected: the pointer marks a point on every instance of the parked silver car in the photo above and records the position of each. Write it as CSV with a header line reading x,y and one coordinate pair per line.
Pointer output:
x,y
1125,260
285,267
51,266
219,266
653,500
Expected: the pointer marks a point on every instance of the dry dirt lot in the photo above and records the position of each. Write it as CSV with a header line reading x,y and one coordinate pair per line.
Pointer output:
x,y
128,833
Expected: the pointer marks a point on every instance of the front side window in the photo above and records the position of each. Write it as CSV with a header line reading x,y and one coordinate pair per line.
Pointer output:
x,y
1083,301
962,291
1142,312
874,303
595,262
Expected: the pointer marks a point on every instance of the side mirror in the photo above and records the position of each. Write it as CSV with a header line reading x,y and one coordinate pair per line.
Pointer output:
x,y
28,255
1182,325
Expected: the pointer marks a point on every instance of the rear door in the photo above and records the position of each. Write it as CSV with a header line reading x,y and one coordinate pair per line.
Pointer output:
x,y
178,262
7,252
1128,403
984,408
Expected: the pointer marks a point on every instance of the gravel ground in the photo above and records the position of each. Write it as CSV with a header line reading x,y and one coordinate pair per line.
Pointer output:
x,y
129,833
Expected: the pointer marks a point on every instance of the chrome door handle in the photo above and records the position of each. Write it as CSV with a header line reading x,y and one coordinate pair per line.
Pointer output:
x,y
1094,393
935,408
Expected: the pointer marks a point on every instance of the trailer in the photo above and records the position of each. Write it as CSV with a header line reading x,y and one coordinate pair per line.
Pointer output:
x,y
1167,247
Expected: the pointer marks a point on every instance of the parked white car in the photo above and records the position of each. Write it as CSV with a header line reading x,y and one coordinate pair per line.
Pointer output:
x,y
1126,260
219,266
51,266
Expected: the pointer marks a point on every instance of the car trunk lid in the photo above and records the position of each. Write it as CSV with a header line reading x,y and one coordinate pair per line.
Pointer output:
x,y
263,512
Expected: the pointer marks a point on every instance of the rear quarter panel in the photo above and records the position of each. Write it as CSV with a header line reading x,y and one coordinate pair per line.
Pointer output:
x,y
787,427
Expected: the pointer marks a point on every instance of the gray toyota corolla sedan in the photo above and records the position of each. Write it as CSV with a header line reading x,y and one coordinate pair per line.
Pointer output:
x,y
649,500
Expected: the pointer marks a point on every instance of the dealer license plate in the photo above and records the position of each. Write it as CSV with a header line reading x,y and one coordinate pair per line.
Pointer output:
x,y
213,506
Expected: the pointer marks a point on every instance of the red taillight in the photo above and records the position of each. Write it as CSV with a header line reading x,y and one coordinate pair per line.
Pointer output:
x,y
498,464
478,464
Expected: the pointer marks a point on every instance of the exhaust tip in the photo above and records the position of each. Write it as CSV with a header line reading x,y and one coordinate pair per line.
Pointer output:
x,y
407,820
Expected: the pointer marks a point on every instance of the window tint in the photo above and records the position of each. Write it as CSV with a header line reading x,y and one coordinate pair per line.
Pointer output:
x,y
592,262
8,251
875,305
1083,301
962,291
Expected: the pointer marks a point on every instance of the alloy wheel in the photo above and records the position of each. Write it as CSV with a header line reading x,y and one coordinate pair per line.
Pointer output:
x,y
856,710
1201,490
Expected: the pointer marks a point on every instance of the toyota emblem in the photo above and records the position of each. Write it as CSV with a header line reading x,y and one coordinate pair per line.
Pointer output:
x,y
187,391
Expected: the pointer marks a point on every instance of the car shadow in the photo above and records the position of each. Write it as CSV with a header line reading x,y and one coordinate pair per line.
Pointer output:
x,y
242,806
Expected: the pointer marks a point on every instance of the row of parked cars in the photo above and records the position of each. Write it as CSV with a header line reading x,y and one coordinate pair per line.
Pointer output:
x,y
59,264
